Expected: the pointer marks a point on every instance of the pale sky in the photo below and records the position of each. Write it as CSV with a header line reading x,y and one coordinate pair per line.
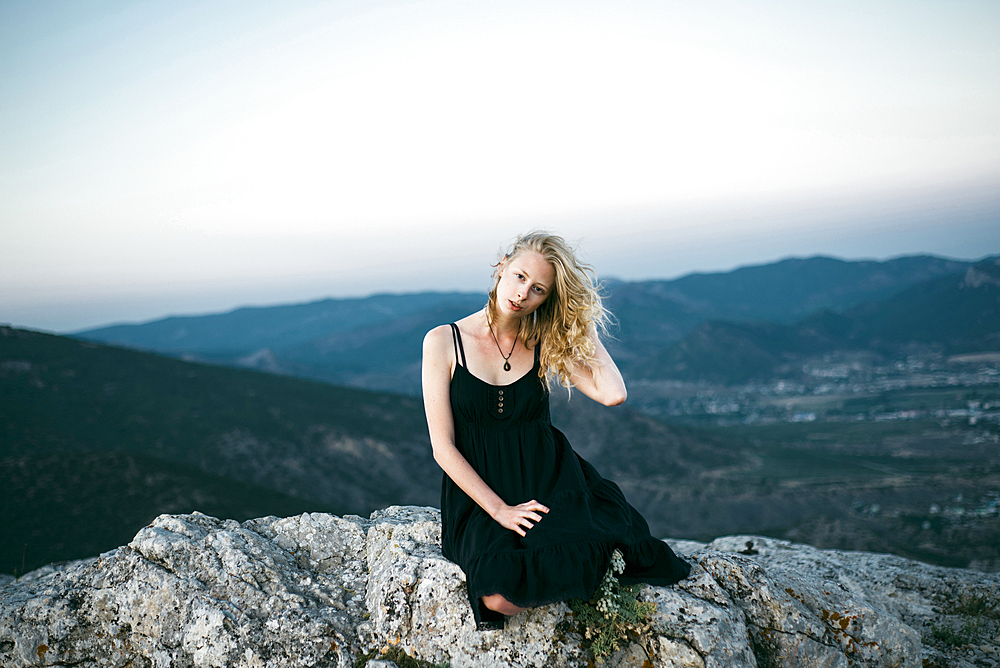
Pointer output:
x,y
180,157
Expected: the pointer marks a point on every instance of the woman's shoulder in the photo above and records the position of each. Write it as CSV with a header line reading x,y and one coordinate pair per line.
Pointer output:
x,y
437,336
442,335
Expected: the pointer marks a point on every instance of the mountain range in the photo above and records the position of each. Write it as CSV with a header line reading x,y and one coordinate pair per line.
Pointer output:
x,y
749,323
950,315
119,435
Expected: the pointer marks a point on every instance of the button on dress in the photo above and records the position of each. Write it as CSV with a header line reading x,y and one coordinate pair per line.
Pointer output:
x,y
505,433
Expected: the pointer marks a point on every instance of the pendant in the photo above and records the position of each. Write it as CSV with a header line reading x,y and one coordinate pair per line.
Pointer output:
x,y
506,366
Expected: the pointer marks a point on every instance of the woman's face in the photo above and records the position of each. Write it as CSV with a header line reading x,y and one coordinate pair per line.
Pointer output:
x,y
525,283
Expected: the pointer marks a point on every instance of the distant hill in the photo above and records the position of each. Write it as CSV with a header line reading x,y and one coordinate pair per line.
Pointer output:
x,y
959,313
246,330
951,314
374,342
120,436
790,289
63,506
345,448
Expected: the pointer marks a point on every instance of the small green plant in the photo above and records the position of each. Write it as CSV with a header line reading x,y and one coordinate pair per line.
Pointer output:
x,y
975,604
957,638
397,656
972,609
614,614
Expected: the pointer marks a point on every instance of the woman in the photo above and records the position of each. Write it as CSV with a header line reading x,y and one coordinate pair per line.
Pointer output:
x,y
528,520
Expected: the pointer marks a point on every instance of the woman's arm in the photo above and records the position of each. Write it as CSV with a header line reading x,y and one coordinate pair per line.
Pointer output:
x,y
436,371
600,379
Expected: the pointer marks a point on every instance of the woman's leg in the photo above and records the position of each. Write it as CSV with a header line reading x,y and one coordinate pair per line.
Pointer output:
x,y
498,603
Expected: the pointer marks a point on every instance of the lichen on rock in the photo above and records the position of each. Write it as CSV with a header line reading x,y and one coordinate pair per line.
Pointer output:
x,y
319,590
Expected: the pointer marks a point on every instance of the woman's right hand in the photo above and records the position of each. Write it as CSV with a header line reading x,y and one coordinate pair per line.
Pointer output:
x,y
521,517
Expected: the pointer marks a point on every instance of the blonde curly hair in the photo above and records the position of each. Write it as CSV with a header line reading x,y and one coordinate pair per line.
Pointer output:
x,y
563,322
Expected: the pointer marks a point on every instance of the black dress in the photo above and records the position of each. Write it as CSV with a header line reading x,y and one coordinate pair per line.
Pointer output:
x,y
505,433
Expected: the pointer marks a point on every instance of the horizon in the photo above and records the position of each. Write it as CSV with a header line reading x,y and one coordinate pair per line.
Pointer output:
x,y
311,300
186,157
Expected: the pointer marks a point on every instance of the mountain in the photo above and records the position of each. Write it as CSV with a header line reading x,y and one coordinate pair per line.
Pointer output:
x,y
383,357
245,330
960,314
374,342
71,505
342,448
950,314
790,289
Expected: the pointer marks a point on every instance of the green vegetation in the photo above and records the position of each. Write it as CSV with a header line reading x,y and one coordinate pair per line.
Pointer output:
x,y
614,614
964,617
398,656
974,604
964,631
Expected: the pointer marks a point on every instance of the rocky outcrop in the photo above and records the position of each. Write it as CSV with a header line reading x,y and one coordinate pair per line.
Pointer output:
x,y
320,590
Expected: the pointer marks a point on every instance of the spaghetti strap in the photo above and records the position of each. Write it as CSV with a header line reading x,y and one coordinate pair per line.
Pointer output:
x,y
459,348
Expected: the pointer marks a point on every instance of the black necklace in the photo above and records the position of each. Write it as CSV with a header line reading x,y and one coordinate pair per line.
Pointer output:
x,y
506,364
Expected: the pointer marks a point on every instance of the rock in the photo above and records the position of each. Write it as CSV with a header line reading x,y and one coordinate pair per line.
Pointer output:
x,y
920,595
194,590
319,590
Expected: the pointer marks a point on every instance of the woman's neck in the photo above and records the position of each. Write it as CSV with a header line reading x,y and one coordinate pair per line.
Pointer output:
x,y
506,327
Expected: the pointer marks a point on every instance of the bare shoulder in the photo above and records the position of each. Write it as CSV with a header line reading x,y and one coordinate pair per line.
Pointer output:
x,y
438,360
438,338
441,331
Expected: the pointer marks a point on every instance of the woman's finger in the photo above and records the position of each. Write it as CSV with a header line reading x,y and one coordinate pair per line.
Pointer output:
x,y
524,516
534,505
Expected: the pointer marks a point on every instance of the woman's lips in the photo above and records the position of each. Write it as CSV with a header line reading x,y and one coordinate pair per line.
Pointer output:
x,y
513,306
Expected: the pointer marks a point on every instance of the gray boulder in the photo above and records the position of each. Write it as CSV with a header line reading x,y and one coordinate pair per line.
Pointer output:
x,y
320,590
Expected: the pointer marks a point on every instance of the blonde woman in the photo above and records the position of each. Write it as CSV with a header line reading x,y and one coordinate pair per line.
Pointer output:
x,y
528,520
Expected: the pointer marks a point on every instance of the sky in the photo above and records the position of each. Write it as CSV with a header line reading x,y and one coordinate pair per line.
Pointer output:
x,y
185,157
